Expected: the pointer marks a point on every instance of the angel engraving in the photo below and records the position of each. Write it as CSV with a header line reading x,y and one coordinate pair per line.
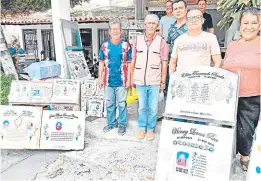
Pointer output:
x,y
79,128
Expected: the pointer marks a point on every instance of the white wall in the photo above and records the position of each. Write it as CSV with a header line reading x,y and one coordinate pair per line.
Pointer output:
x,y
16,30
95,39
13,31
39,34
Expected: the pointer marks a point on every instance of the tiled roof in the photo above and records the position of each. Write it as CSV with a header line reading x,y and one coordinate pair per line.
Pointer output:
x,y
48,20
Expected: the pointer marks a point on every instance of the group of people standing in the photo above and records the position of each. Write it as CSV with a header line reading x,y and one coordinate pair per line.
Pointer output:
x,y
186,39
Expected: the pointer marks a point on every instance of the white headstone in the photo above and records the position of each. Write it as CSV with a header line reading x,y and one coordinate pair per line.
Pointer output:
x,y
95,108
91,93
100,93
77,64
84,103
66,91
63,130
38,92
203,92
64,107
20,127
2,47
41,92
191,152
20,92
8,65
88,88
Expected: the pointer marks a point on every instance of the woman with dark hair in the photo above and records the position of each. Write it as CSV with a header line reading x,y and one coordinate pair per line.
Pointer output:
x,y
244,55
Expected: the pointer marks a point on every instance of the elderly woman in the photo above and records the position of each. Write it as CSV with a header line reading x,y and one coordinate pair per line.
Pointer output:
x,y
244,55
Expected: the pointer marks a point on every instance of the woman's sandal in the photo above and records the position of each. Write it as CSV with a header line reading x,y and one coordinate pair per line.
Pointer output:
x,y
244,165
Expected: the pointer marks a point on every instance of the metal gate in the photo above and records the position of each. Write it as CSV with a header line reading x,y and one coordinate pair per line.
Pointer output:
x,y
48,45
30,43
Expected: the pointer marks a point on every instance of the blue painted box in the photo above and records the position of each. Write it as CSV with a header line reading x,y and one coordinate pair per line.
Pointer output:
x,y
44,69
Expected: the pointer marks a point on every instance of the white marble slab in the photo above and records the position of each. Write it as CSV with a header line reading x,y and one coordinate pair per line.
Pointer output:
x,y
204,92
66,91
191,152
20,127
63,130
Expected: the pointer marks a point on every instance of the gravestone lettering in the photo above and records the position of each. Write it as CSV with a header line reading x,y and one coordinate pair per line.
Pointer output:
x,y
77,64
66,91
192,152
204,92
20,127
63,130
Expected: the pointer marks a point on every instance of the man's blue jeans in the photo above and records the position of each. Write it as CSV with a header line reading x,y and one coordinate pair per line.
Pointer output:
x,y
148,95
113,95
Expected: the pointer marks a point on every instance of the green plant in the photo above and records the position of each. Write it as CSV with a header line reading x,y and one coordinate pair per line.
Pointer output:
x,y
5,84
231,9
29,6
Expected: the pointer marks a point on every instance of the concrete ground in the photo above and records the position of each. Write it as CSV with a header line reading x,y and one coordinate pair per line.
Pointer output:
x,y
107,156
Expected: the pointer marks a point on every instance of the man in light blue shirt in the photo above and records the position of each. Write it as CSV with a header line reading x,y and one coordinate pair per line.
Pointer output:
x,y
166,20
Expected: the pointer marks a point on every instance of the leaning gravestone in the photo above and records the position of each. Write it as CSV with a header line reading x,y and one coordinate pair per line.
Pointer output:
x,y
20,127
63,130
190,151
5,59
66,91
88,89
77,65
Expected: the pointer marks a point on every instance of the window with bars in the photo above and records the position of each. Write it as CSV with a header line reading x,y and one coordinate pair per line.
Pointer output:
x,y
86,37
30,43
48,45
104,35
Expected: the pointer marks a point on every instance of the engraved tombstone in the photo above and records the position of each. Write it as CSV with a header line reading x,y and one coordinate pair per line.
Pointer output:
x,y
36,92
20,127
63,130
95,108
77,64
88,89
191,151
209,93
66,91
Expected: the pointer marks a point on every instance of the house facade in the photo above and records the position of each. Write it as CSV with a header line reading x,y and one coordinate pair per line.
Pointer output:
x,y
35,34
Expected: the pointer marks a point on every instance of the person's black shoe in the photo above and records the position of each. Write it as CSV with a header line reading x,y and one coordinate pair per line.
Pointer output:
x,y
122,130
108,128
165,92
160,118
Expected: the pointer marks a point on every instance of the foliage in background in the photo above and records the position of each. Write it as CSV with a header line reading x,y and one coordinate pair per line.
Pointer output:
x,y
29,6
231,9
5,84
